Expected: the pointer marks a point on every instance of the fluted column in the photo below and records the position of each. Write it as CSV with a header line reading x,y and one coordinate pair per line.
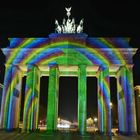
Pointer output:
x,y
104,110
82,100
131,101
5,96
126,101
11,98
52,109
31,103
137,98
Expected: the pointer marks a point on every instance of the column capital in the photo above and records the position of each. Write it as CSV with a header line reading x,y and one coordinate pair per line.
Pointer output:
x,y
53,65
103,67
130,66
7,64
12,66
32,65
81,66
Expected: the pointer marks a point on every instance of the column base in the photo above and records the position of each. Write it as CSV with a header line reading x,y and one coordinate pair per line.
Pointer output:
x,y
138,132
104,133
83,133
11,129
127,133
29,130
51,131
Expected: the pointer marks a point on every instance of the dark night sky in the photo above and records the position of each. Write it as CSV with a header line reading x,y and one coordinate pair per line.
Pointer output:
x,y
101,18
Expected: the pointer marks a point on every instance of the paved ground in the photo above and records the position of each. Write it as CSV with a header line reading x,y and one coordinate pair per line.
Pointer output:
x,y
59,136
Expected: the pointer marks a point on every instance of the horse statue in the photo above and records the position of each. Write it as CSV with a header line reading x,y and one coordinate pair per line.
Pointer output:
x,y
80,26
58,28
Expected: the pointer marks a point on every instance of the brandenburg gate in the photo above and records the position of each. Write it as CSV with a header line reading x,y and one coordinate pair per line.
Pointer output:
x,y
68,52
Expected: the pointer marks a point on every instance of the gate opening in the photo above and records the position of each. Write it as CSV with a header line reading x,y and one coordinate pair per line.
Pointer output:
x,y
22,100
43,101
92,104
114,104
68,103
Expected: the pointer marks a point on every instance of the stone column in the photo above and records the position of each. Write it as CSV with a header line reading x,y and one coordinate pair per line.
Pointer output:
x,y
52,109
126,101
5,96
104,109
137,98
132,125
31,103
82,100
11,98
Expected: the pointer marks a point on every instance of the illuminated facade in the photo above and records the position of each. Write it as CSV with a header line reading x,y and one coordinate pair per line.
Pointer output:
x,y
68,52
68,55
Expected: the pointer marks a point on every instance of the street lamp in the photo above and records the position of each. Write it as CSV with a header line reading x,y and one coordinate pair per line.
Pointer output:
x,y
95,123
111,105
95,119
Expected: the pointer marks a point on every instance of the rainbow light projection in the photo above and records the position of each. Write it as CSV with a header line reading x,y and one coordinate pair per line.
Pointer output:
x,y
67,50
104,110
